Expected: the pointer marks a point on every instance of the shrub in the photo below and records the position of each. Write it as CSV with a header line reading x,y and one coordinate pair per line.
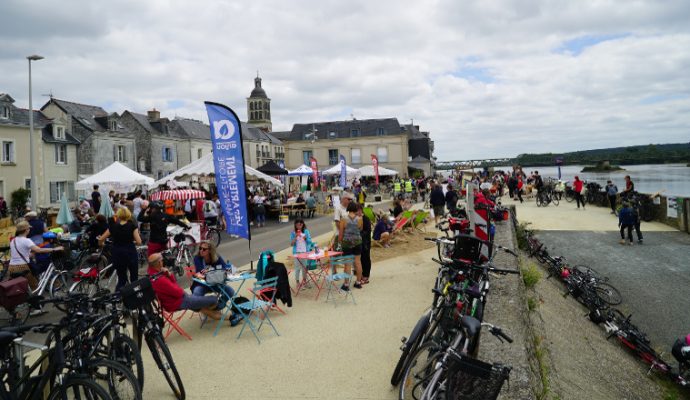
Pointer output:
x,y
530,275
18,201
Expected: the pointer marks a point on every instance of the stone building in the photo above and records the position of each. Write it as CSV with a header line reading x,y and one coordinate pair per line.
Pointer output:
x,y
259,108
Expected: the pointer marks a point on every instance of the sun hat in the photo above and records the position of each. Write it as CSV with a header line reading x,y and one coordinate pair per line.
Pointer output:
x,y
31,214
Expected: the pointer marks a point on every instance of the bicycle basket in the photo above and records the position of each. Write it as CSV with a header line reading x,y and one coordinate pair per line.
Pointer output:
x,y
469,248
14,292
469,378
138,293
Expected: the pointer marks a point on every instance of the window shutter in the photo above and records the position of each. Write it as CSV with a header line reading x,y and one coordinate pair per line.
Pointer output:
x,y
53,192
124,153
57,151
114,152
70,191
66,148
163,154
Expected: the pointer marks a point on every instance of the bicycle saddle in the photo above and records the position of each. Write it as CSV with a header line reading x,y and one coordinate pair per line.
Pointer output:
x,y
471,325
6,338
93,258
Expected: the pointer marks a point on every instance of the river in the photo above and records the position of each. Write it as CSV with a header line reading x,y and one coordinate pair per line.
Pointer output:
x,y
669,179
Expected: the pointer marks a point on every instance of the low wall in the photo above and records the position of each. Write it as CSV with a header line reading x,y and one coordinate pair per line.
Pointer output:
x,y
682,222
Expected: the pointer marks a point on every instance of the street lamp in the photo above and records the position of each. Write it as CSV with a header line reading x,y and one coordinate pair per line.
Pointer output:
x,y
31,136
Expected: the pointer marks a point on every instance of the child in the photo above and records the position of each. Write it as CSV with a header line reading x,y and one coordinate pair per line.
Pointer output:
x,y
626,220
300,240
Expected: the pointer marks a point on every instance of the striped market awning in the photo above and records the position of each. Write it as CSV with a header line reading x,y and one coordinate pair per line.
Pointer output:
x,y
181,194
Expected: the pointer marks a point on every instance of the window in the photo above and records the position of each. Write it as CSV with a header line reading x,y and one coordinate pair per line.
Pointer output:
x,y
7,152
356,156
5,112
380,132
167,154
354,133
57,189
382,154
332,135
113,125
120,153
333,156
27,184
306,155
199,153
160,174
60,154
59,133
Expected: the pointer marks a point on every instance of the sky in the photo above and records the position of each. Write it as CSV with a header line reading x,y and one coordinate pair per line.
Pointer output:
x,y
487,79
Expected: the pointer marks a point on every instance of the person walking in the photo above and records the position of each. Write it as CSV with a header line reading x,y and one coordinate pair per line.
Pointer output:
x,y
577,187
437,201
626,220
259,209
611,192
636,224
451,199
125,234
518,188
350,242
366,245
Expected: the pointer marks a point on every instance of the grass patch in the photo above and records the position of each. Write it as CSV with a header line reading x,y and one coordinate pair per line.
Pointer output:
x,y
540,353
521,235
532,303
530,274
670,390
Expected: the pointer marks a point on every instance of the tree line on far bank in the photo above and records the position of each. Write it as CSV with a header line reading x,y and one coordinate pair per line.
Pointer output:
x,y
630,155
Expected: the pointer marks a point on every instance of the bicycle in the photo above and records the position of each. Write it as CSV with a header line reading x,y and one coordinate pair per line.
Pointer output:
x,y
20,382
182,250
139,297
211,233
96,274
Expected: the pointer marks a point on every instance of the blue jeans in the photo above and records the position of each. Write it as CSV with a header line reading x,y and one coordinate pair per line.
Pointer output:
x,y
260,218
201,290
196,303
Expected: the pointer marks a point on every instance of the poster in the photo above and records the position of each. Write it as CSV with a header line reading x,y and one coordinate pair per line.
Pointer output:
x,y
672,207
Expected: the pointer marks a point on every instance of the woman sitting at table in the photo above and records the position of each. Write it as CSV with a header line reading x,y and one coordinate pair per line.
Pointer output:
x,y
300,240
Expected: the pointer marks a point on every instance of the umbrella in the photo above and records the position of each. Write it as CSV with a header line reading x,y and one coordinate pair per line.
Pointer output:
x,y
64,217
302,170
181,194
106,210
271,168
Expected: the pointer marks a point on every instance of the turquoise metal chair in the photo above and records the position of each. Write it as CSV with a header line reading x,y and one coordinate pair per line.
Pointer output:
x,y
255,312
333,292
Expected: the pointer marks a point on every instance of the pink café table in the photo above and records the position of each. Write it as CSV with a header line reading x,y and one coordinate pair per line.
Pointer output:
x,y
316,276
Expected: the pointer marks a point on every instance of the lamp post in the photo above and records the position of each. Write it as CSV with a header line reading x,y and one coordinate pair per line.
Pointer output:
x,y
31,136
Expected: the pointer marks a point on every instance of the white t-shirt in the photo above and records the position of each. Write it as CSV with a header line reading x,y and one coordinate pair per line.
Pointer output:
x,y
20,245
136,206
339,212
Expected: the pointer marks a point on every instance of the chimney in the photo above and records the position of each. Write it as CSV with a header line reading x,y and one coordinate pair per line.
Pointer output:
x,y
154,115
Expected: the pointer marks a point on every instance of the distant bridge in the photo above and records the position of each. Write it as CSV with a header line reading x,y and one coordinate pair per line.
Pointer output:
x,y
469,164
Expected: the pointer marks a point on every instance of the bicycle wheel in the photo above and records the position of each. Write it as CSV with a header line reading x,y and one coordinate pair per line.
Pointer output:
x,y
84,286
419,371
107,279
608,294
213,236
116,378
539,200
410,346
555,199
586,271
163,358
59,285
78,388
125,351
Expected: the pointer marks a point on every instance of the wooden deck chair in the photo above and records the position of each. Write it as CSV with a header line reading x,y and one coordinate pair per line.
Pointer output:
x,y
369,213
333,278
418,221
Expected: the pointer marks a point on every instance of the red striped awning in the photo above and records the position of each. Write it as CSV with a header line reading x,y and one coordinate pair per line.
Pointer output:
x,y
181,194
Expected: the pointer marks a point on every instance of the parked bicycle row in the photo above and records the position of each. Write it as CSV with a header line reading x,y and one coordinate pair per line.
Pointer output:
x,y
88,353
595,292
440,359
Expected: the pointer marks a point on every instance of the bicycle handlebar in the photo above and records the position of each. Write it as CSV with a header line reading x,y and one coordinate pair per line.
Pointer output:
x,y
498,332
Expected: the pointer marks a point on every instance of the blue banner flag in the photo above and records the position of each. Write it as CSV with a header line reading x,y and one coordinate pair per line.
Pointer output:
x,y
343,171
228,163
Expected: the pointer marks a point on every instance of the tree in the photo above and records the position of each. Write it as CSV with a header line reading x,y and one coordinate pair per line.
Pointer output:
x,y
18,201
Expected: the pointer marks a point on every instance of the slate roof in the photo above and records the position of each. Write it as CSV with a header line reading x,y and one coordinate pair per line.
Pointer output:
x,y
84,113
190,128
342,129
20,117
420,159
414,132
143,120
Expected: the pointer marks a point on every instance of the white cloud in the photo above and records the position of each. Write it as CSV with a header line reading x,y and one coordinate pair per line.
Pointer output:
x,y
487,79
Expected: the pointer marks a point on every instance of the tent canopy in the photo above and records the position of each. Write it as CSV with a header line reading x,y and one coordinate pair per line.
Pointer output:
x,y
204,167
273,169
302,170
117,177
368,170
335,170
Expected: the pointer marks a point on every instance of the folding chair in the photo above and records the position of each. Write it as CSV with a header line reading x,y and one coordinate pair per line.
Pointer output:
x,y
172,319
255,312
334,277
369,213
418,222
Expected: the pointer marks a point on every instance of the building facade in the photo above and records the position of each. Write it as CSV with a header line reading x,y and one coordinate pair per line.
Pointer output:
x,y
259,108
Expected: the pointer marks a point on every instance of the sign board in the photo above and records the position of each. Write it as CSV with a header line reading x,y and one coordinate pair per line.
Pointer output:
x,y
672,207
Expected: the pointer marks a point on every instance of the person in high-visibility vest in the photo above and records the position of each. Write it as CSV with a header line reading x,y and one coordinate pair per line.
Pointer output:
x,y
408,187
396,187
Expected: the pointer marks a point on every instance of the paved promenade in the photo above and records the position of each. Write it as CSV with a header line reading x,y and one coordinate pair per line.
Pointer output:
x,y
323,352
654,278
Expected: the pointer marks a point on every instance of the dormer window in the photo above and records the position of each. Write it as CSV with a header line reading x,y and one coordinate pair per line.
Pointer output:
x,y
5,112
380,132
332,135
59,132
113,125
354,133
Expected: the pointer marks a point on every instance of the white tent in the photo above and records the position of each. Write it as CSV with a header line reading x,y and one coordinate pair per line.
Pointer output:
x,y
204,167
335,170
116,177
368,170
302,170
